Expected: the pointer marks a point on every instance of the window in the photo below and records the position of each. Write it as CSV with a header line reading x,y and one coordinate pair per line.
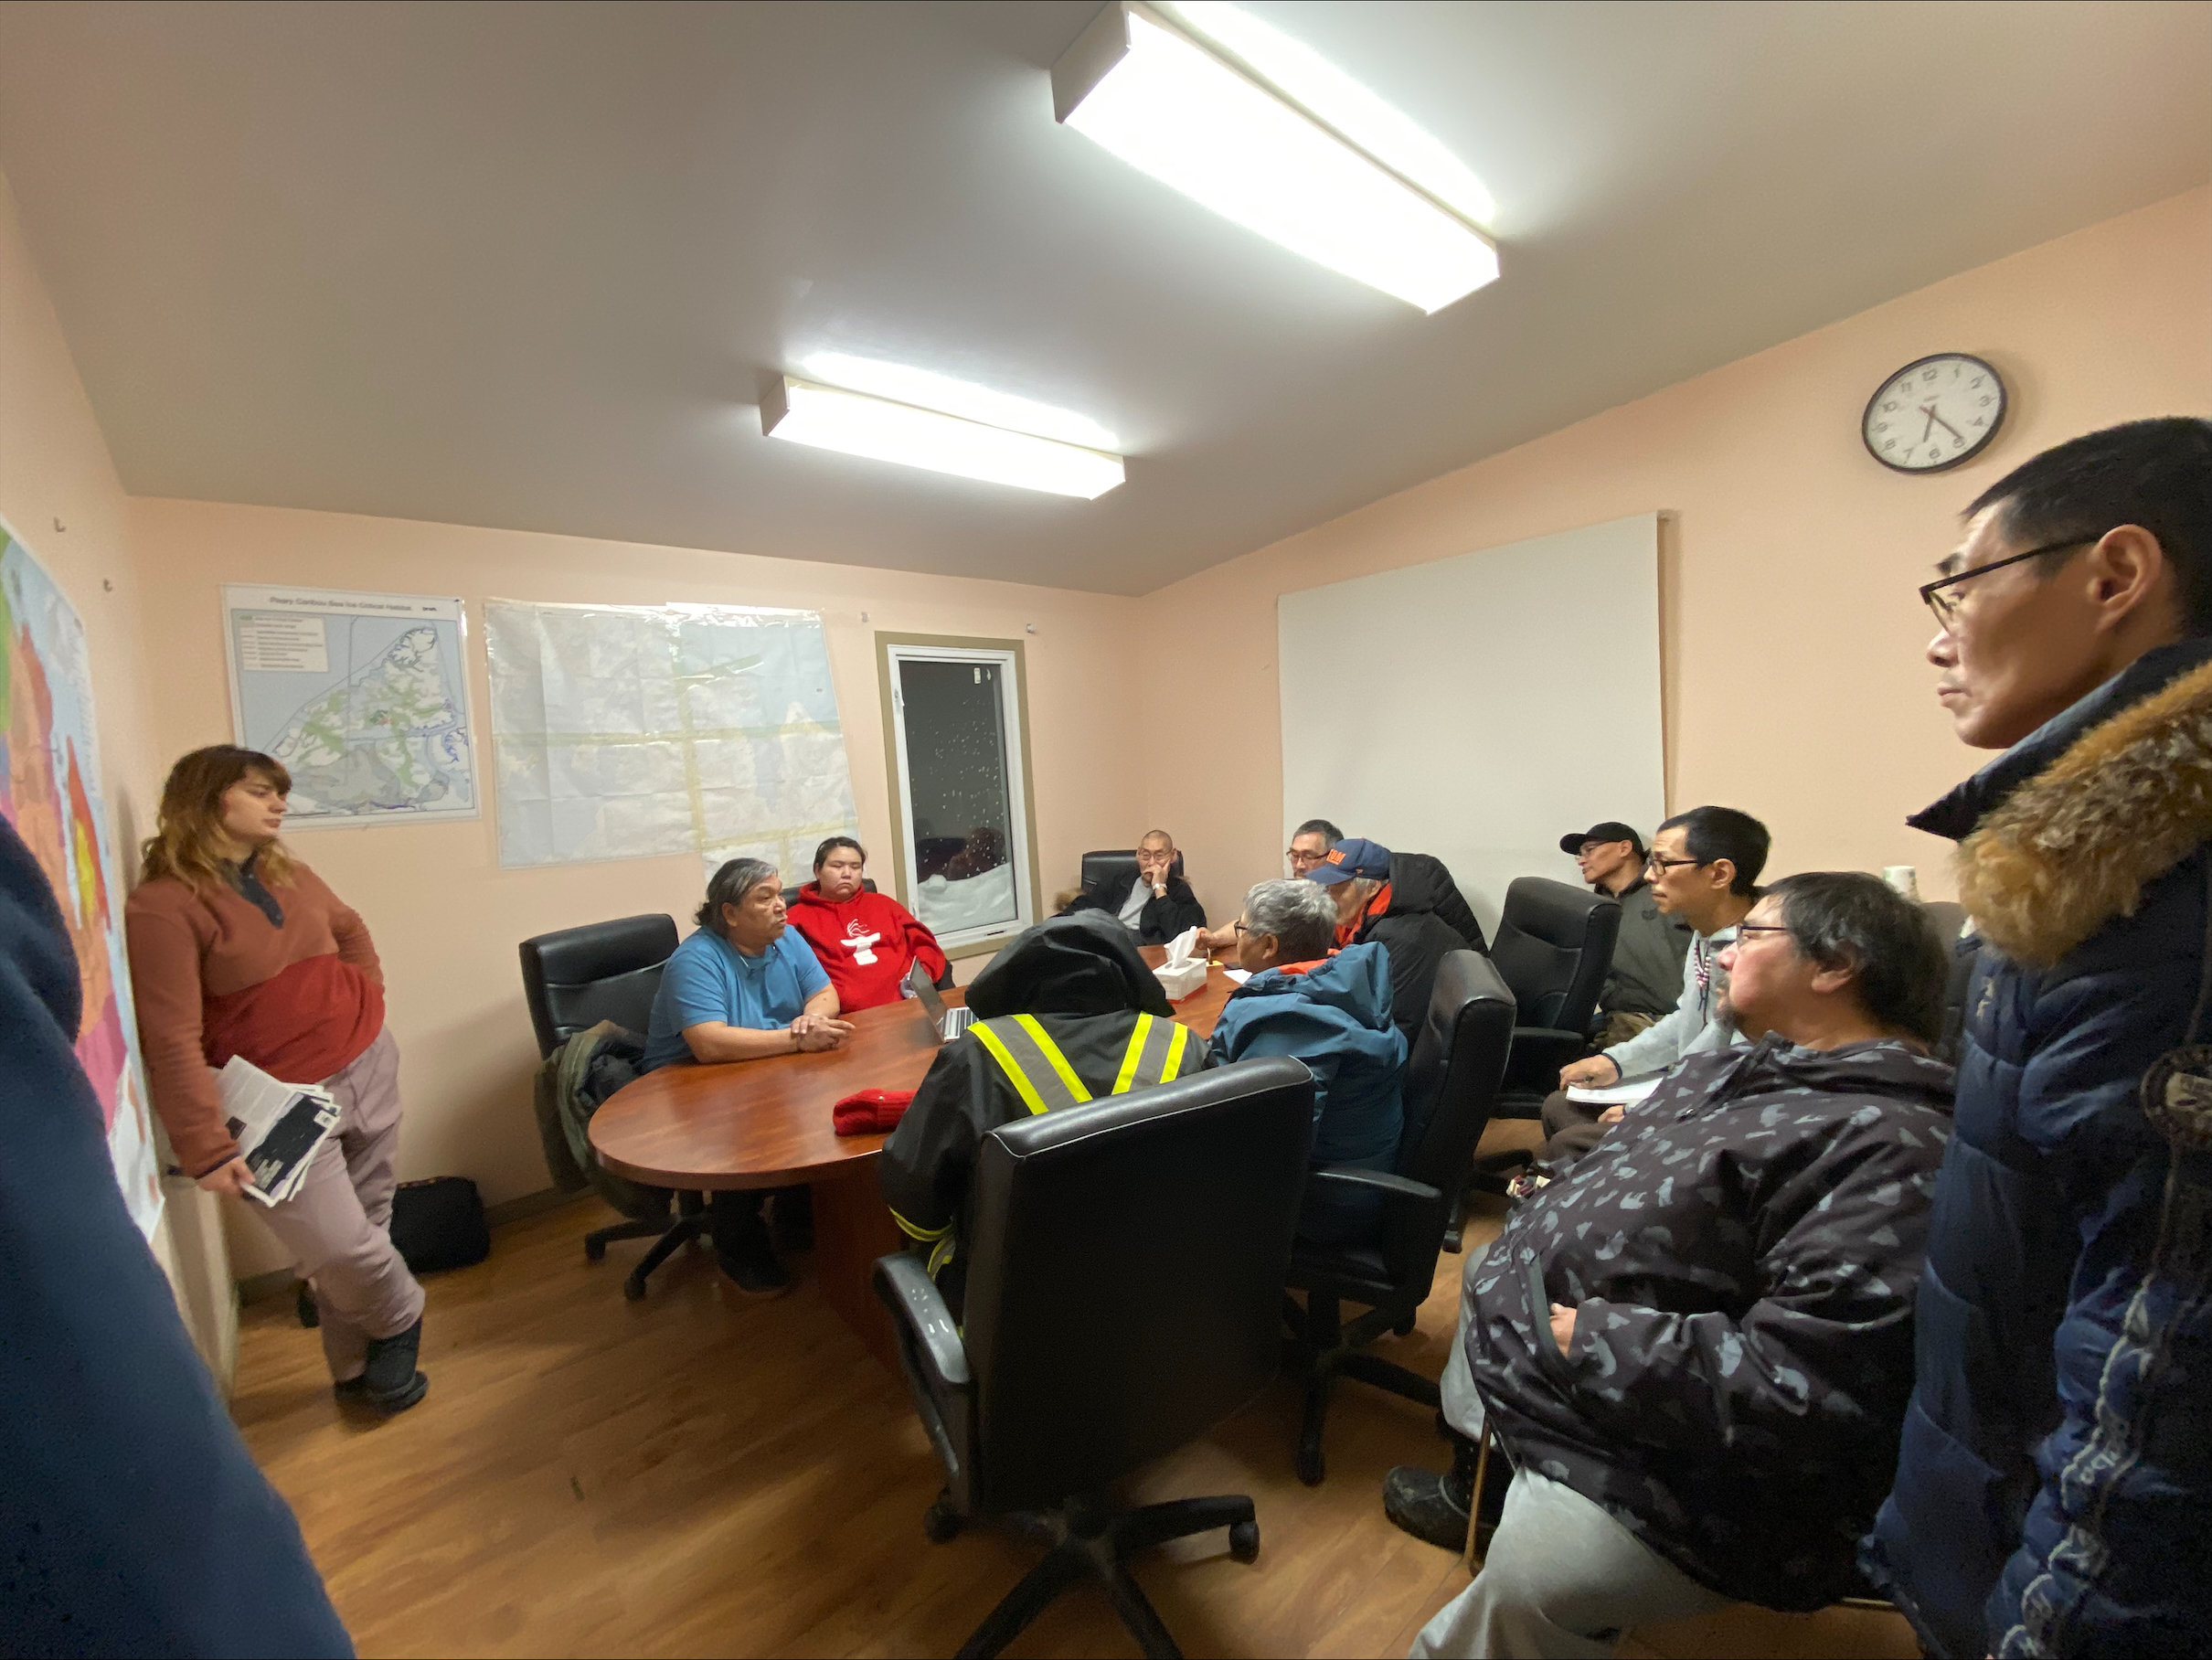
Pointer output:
x,y
957,715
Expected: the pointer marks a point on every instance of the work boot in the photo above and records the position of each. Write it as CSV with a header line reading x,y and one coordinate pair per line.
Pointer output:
x,y
390,1383
1435,1507
753,1268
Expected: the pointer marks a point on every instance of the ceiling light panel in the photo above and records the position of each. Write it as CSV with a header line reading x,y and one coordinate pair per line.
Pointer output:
x,y
854,424
1172,108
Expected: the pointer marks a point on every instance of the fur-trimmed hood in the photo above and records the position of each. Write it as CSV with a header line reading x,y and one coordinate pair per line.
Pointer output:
x,y
2123,795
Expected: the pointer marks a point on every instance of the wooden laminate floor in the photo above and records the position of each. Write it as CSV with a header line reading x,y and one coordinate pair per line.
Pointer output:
x,y
701,1473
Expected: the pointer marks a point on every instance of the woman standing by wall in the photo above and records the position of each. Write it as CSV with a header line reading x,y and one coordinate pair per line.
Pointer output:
x,y
238,949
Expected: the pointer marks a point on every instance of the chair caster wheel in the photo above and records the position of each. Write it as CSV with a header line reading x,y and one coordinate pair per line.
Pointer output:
x,y
941,1523
1451,1241
1404,1328
634,1290
1309,1465
595,1251
1244,1542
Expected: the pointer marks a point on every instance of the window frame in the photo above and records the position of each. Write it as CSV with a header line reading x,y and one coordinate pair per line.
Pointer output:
x,y
893,649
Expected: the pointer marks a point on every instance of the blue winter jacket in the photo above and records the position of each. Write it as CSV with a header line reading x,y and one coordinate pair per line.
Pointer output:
x,y
2054,1485
1335,1016
132,1519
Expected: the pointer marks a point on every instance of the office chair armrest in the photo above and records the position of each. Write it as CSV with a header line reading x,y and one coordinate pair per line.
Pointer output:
x,y
905,1288
1388,1183
1537,1054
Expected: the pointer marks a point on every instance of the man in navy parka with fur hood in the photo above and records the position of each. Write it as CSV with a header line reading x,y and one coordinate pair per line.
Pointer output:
x,y
1333,1014
2054,1487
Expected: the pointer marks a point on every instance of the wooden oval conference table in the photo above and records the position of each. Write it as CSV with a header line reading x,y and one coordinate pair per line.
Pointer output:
x,y
766,1124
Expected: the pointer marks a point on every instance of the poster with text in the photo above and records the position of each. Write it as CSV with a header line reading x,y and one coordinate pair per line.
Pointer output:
x,y
50,790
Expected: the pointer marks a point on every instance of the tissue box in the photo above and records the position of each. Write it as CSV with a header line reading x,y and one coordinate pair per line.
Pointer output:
x,y
1179,980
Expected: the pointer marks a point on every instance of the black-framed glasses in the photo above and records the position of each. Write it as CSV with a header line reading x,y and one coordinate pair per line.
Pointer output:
x,y
1662,864
1239,927
1752,928
1946,605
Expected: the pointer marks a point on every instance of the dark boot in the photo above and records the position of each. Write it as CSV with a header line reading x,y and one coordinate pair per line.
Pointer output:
x,y
743,1247
390,1383
1435,1507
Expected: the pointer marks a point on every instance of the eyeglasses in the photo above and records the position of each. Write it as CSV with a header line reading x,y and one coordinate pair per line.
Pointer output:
x,y
1946,605
1300,858
1662,864
1239,928
1752,928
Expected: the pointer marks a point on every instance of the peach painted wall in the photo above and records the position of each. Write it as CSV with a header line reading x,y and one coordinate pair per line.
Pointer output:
x,y
446,918
1790,633
59,491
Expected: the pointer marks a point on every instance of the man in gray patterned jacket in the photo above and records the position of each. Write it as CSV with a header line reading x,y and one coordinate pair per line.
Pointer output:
x,y
1696,1347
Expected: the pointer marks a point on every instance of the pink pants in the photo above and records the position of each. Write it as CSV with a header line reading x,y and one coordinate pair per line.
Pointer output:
x,y
338,1226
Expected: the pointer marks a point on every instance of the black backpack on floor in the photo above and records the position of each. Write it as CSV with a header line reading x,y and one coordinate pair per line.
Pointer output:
x,y
439,1224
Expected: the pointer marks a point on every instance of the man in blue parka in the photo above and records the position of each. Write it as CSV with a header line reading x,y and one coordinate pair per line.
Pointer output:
x,y
2054,1485
1333,1014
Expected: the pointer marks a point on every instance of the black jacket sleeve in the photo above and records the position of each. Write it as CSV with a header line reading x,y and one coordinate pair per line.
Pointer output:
x,y
1165,918
927,1162
132,1519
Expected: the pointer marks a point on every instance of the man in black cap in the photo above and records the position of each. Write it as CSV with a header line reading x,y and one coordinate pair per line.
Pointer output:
x,y
1067,1013
1645,980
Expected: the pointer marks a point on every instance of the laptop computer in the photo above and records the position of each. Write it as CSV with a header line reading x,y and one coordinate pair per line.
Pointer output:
x,y
949,1022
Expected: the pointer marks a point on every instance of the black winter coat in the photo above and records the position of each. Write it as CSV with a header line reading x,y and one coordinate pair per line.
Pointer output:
x,y
1162,919
1426,875
1743,1250
2053,1493
1417,935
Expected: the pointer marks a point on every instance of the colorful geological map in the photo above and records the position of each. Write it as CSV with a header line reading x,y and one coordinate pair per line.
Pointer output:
x,y
50,790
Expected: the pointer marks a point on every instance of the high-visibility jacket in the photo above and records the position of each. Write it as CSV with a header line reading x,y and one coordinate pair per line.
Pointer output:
x,y
1002,1070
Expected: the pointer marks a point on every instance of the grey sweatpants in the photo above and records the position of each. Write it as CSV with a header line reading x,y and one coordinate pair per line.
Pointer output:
x,y
1562,1577
337,1227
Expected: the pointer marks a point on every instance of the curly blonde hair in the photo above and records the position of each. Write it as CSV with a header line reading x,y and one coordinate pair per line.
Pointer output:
x,y
189,831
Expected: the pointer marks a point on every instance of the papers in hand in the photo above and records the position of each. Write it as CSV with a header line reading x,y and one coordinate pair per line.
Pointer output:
x,y
278,1126
1185,969
1615,1095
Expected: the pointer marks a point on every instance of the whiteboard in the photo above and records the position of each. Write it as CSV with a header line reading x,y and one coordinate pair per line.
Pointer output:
x,y
1482,707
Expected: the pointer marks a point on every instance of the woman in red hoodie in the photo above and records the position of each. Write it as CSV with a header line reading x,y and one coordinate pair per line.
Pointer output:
x,y
866,941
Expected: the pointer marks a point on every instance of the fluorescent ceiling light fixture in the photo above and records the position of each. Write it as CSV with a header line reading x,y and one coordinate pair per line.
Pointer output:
x,y
1206,120
929,391
854,424
1312,82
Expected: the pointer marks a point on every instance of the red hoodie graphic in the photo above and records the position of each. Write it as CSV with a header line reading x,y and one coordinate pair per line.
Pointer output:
x,y
865,944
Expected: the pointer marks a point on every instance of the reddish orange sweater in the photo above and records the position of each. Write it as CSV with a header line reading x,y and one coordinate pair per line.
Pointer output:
x,y
214,977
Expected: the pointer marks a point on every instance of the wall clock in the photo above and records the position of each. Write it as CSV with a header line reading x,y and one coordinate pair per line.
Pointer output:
x,y
1934,413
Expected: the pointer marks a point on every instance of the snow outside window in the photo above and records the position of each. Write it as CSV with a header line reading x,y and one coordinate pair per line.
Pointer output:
x,y
956,717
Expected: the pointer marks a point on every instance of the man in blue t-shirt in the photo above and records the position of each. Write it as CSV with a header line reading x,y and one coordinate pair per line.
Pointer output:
x,y
741,988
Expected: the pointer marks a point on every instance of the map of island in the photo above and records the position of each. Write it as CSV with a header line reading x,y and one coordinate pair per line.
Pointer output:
x,y
361,697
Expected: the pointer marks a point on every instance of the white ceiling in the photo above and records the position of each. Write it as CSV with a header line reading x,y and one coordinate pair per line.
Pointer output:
x,y
527,265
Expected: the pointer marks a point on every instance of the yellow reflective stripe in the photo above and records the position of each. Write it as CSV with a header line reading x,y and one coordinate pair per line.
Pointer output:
x,y
924,1234
1022,1086
1176,1046
1128,1074
939,1254
1051,1052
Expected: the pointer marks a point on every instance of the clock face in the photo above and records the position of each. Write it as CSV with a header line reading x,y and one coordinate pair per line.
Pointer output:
x,y
1934,414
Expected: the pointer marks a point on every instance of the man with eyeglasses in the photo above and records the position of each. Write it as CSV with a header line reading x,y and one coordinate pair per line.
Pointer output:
x,y
2054,1486
1704,870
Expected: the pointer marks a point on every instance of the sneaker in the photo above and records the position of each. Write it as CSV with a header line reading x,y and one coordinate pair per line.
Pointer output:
x,y
757,1273
1422,1503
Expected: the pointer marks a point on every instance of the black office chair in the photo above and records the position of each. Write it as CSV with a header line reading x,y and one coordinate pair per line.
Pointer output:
x,y
572,980
1110,863
1451,1083
1123,1268
1554,947
1960,949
